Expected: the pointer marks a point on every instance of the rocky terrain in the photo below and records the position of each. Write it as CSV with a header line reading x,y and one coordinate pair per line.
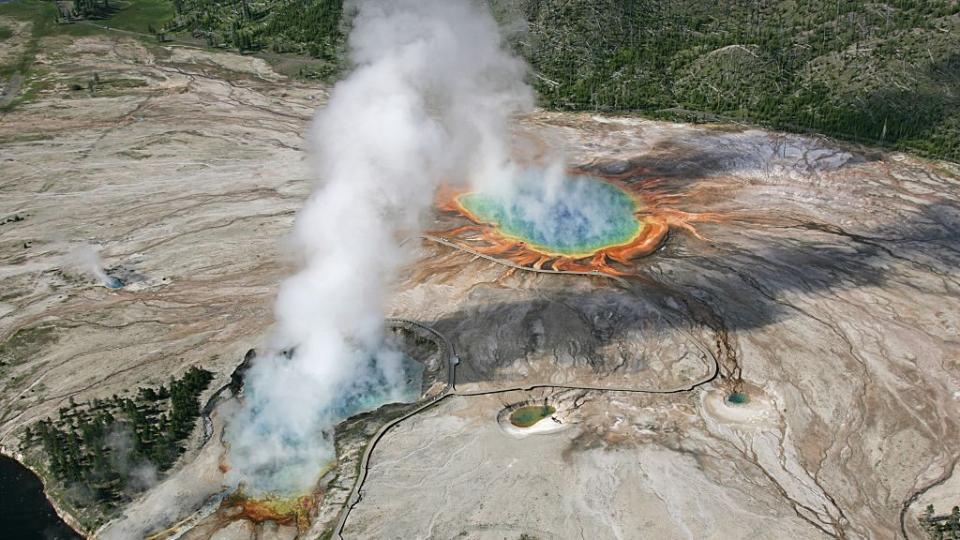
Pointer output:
x,y
820,279
186,183
817,279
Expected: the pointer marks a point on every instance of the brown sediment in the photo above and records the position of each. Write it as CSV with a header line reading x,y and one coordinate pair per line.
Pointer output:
x,y
284,511
651,235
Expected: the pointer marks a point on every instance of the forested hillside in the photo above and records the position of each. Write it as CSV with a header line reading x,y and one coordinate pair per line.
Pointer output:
x,y
884,72
103,452
308,27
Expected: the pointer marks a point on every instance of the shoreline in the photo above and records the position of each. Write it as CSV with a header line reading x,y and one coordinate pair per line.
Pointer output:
x,y
64,516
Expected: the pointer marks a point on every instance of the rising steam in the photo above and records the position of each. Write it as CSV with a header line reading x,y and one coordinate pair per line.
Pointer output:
x,y
86,259
428,101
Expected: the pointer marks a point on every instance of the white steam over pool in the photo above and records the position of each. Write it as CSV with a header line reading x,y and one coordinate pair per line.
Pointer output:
x,y
428,100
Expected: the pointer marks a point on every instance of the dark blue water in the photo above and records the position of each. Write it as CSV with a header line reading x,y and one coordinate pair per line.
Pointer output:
x,y
25,512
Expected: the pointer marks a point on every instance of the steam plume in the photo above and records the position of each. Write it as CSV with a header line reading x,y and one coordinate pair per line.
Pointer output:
x,y
428,101
85,258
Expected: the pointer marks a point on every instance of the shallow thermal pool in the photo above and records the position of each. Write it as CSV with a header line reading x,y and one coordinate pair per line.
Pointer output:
x,y
308,448
574,216
525,417
377,391
737,398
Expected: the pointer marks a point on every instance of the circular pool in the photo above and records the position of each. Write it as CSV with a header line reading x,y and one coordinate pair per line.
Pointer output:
x,y
525,417
573,216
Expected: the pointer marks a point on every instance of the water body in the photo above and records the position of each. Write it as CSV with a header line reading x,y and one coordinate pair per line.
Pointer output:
x,y
578,215
25,512
525,417
370,394
307,445
738,398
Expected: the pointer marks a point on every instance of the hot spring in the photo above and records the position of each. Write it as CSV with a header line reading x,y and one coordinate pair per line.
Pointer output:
x,y
574,217
525,417
367,397
304,447
737,398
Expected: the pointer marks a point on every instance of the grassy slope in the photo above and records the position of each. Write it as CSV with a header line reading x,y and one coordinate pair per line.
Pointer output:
x,y
132,16
140,15
20,71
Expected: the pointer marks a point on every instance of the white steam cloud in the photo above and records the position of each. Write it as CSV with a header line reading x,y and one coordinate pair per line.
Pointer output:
x,y
428,101
558,209
141,475
86,259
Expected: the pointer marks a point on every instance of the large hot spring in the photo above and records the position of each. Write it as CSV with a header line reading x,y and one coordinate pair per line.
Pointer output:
x,y
574,216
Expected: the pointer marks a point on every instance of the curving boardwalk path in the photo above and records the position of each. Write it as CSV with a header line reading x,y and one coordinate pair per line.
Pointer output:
x,y
452,360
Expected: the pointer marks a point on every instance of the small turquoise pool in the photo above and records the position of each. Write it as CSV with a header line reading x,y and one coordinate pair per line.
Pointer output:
x,y
738,398
579,216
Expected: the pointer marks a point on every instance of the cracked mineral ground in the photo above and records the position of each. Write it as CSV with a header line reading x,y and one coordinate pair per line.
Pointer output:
x,y
783,360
